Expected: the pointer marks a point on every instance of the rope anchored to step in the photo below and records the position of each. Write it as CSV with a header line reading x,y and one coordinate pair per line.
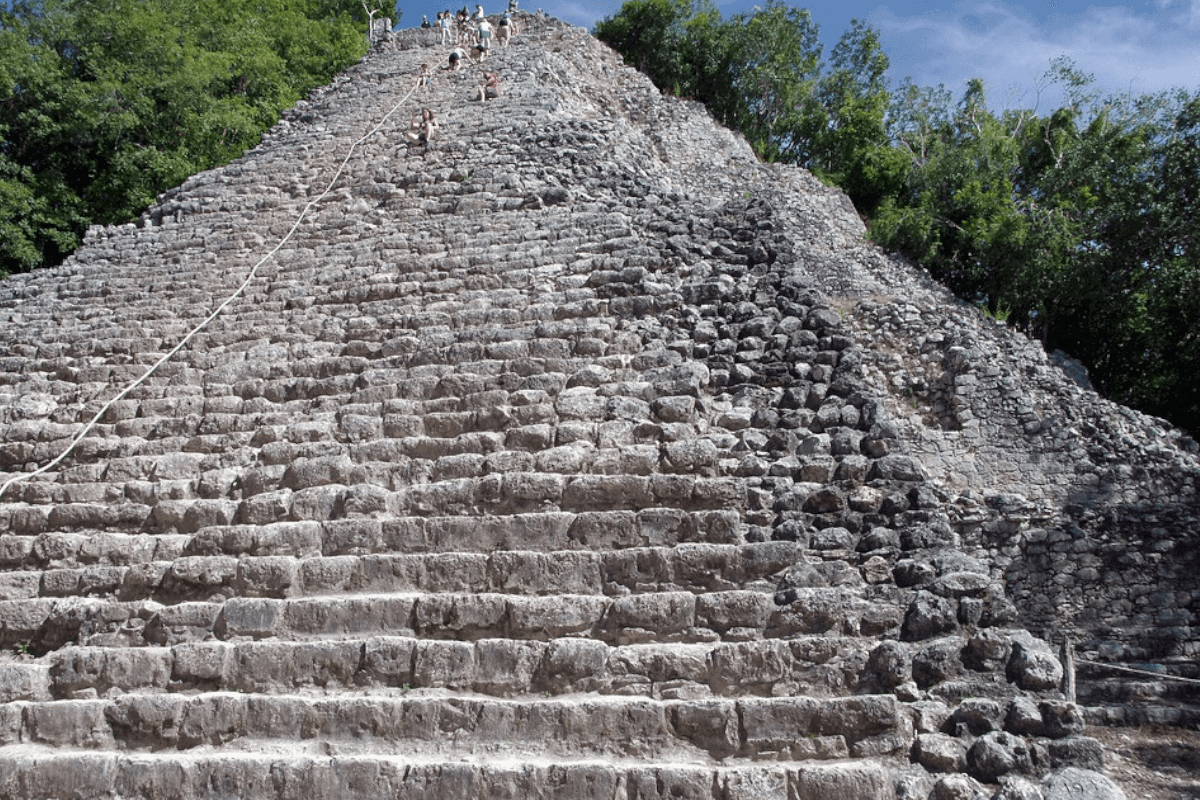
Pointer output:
x,y
1135,671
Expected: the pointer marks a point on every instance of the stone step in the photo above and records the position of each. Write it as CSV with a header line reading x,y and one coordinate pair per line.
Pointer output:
x,y
820,666
34,771
727,731
46,624
691,567
457,489
537,532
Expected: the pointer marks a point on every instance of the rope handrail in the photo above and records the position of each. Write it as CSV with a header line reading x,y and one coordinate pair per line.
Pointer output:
x,y
242,288
1121,668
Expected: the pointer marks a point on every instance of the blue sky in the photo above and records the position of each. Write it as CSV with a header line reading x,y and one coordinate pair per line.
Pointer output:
x,y
1140,46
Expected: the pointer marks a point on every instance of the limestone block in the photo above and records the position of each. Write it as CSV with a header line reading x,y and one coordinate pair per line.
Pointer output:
x,y
388,660
268,576
461,465
1015,787
605,530
505,666
69,724
57,549
814,611
361,615
425,782
330,574
1060,718
855,781
201,574
118,549
697,456
16,551
59,583
897,467
146,720
987,651
112,670
250,617
1033,665
752,664
148,777
351,537
889,666
928,616
580,403
212,719
724,612
531,491
998,753
939,752
662,663
73,775
554,617
537,573
583,781
725,494
604,492
956,787
706,566
201,664
772,725
24,682
751,783
650,616
317,503
143,580
183,622
1083,752
665,526
444,664
676,782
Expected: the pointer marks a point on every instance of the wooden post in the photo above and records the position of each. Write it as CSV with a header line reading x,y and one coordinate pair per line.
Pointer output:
x,y
1067,656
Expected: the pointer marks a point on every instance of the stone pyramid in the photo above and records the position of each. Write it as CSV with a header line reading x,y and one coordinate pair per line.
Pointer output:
x,y
575,454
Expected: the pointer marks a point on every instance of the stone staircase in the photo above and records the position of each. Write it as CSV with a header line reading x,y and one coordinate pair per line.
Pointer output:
x,y
536,464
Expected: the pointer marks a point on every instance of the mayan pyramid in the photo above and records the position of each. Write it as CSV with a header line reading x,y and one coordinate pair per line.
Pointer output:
x,y
575,454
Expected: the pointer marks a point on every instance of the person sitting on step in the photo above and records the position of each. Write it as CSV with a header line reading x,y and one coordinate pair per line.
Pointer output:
x,y
420,129
489,89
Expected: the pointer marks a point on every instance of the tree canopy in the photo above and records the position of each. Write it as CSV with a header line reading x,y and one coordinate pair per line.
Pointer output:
x,y
1077,226
106,103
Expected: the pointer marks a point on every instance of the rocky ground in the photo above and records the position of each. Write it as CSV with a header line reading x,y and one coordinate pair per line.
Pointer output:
x,y
1153,763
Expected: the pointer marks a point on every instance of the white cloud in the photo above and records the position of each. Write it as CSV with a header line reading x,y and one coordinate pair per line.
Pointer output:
x,y
1010,48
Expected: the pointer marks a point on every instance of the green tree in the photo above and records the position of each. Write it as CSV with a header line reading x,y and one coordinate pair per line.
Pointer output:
x,y
778,59
957,214
1078,227
850,143
649,35
106,103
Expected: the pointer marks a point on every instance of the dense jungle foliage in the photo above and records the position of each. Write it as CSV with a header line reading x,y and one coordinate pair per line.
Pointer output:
x,y
106,103
1079,226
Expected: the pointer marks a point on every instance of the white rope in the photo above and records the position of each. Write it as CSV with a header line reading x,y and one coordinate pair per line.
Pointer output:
x,y
1136,671
253,273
